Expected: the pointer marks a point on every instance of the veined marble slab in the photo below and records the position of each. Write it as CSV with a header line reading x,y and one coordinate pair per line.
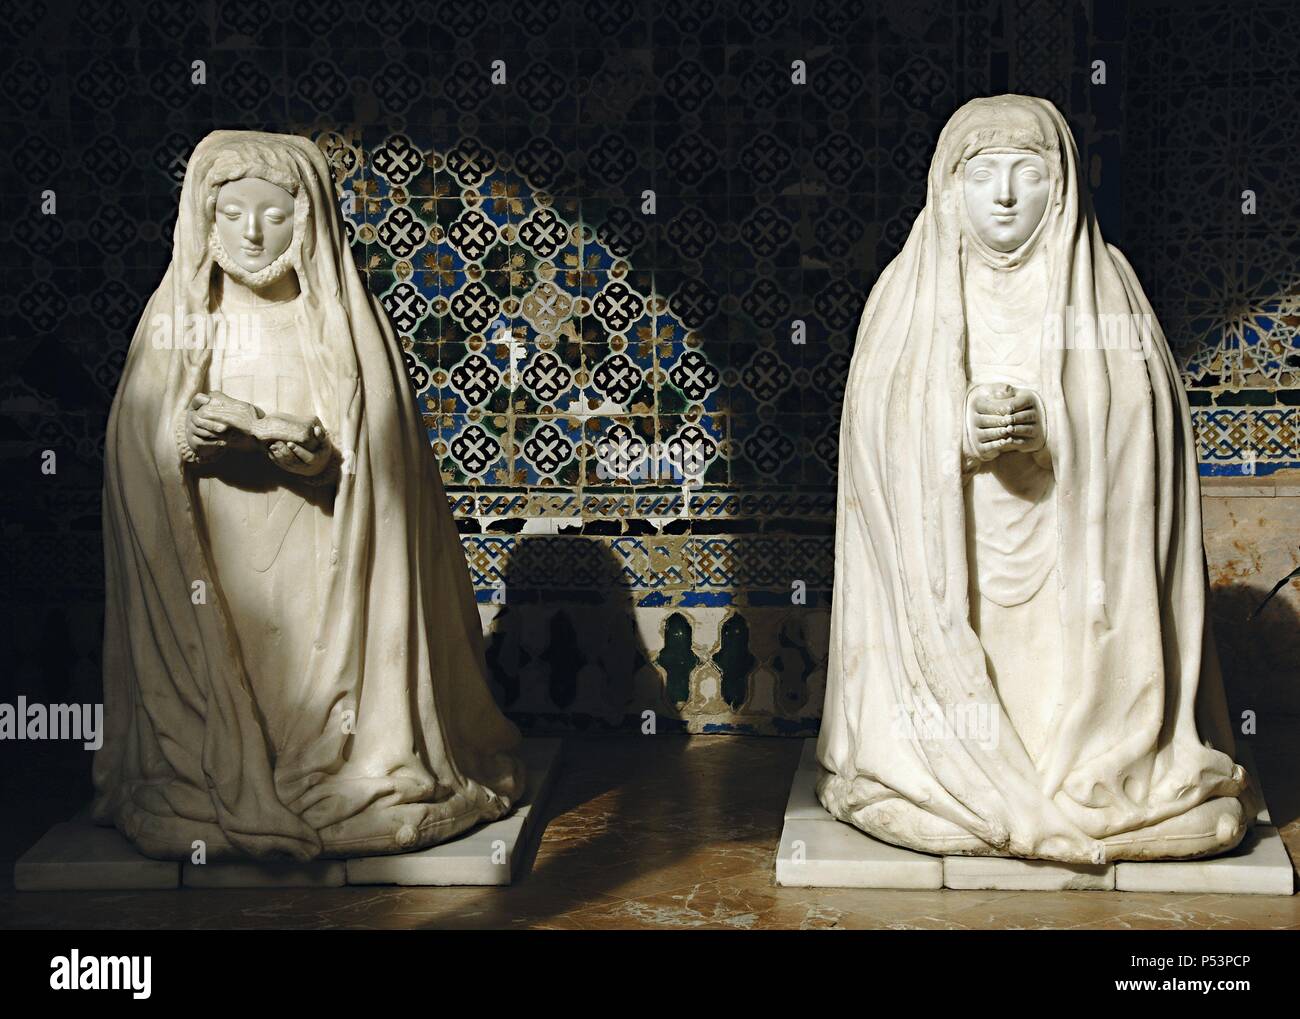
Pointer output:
x,y
819,851
489,855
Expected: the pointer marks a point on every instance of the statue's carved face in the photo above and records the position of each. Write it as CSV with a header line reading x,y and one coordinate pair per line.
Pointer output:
x,y
254,221
1006,194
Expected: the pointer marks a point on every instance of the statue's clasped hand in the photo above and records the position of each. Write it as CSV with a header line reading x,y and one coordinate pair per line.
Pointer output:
x,y
217,421
208,432
307,456
1002,419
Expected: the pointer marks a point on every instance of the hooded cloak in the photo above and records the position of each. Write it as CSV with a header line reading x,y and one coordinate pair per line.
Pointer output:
x,y
1138,761
395,742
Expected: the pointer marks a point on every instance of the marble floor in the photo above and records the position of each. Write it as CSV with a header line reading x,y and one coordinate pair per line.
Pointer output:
x,y
665,832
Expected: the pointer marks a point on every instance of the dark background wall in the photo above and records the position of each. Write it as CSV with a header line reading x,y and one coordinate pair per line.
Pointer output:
x,y
478,208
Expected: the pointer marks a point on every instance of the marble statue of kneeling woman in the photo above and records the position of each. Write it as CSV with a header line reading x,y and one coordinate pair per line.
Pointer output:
x,y
1019,536
293,662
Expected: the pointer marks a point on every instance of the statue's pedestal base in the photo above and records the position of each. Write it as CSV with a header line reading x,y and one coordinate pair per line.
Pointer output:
x,y
79,855
317,874
492,854
1259,866
1024,875
819,851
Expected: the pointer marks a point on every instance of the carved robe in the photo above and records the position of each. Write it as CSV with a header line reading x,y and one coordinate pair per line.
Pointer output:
x,y
1060,596
326,694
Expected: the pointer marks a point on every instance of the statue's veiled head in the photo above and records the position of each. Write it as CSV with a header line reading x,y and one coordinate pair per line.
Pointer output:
x,y
1000,162
260,210
256,209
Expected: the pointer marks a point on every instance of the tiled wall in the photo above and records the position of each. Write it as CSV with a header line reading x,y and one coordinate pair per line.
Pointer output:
x,y
544,311
1210,113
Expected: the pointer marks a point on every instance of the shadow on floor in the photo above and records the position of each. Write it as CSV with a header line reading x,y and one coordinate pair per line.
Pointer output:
x,y
596,673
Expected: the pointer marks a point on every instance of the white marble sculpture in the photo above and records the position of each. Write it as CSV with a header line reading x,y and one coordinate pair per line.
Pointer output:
x,y
1020,661
293,661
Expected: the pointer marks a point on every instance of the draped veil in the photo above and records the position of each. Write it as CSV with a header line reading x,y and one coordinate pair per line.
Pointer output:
x,y
1139,759
397,743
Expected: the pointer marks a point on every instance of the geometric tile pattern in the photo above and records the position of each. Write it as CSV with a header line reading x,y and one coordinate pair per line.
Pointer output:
x,y
1247,440
1210,204
643,256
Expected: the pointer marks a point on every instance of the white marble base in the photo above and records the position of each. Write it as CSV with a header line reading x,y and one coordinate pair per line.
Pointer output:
x,y
79,855
489,855
1259,866
996,872
818,851
829,854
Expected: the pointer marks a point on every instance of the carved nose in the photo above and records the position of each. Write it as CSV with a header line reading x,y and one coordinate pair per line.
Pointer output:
x,y
251,232
1007,199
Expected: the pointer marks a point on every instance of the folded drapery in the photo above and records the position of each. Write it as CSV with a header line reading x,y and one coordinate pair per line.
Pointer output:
x,y
395,742
1131,768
